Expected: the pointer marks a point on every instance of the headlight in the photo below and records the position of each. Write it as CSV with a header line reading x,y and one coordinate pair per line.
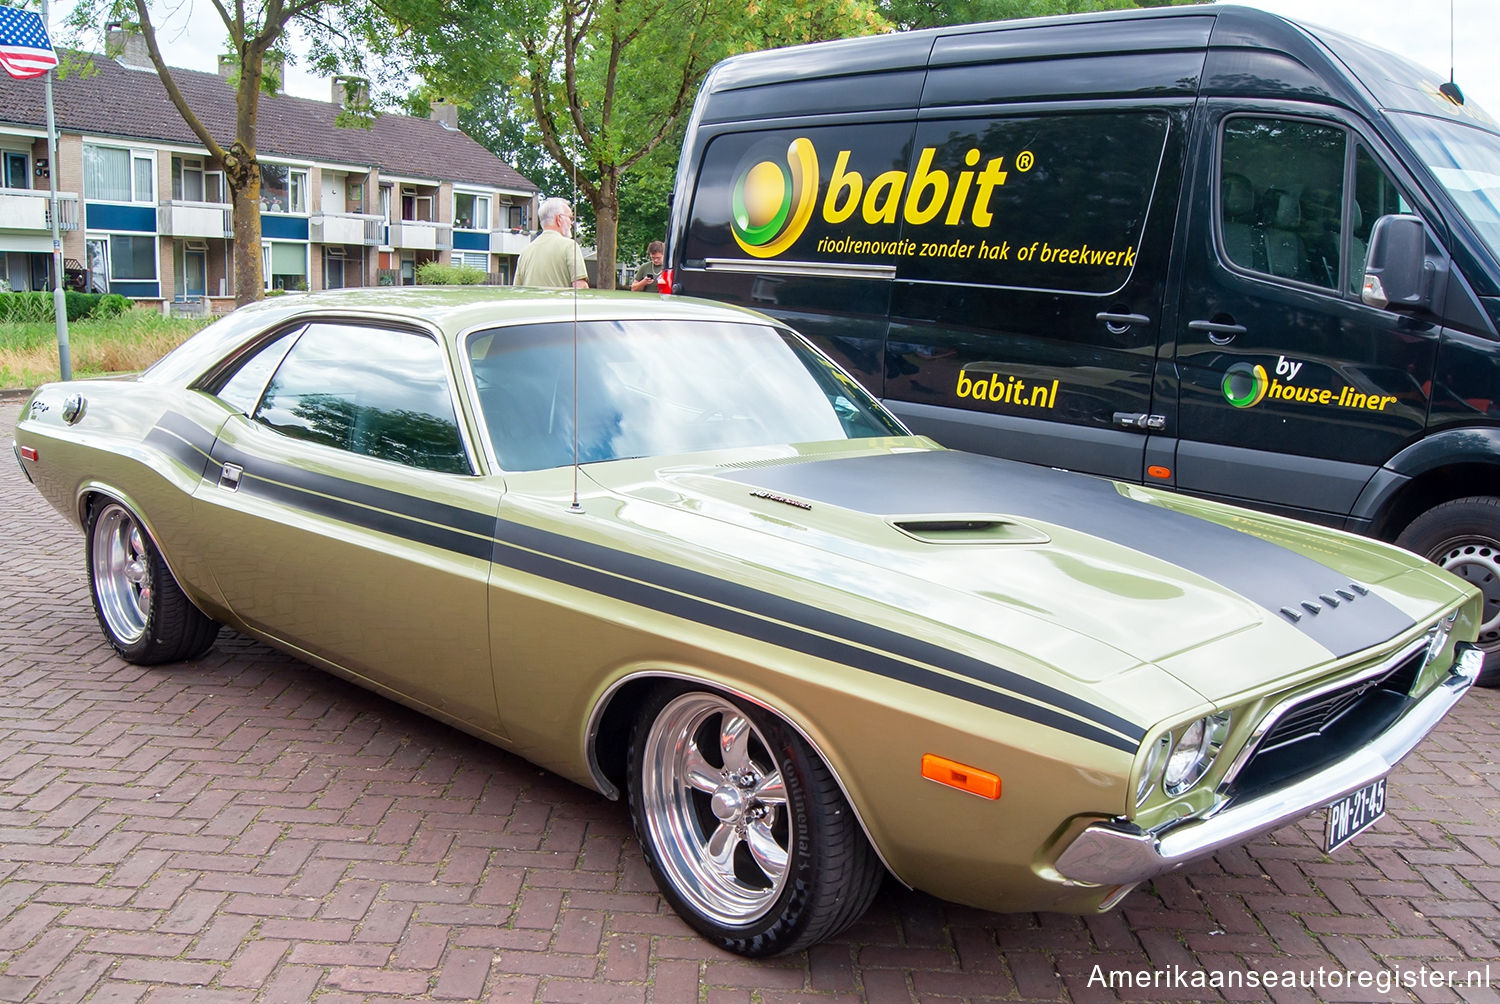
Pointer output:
x,y
1151,770
1194,753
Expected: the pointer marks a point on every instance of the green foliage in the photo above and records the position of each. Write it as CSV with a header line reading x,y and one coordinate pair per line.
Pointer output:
x,y
435,273
36,307
579,94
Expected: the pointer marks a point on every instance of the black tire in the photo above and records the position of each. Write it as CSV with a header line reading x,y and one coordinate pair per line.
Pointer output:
x,y
141,608
1463,536
793,868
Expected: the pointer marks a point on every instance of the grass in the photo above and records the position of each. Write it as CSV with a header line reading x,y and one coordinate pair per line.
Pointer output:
x,y
125,344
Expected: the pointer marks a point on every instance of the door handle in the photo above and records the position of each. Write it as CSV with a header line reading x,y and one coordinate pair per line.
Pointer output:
x,y
1118,324
1219,334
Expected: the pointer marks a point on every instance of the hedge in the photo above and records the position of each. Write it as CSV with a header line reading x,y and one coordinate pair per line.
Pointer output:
x,y
36,307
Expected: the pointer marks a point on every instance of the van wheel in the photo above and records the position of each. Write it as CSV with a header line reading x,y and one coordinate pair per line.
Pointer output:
x,y
745,830
143,611
1463,536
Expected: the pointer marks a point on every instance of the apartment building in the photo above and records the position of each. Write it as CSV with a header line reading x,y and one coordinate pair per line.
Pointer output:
x,y
144,212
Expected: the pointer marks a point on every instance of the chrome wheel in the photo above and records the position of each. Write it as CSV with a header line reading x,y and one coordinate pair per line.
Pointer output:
x,y
121,569
716,806
1477,561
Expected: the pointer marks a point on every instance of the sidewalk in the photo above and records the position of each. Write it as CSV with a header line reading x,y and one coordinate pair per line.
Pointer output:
x,y
246,828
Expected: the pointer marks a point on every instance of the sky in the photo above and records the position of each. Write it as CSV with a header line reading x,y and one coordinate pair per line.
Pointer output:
x,y
192,37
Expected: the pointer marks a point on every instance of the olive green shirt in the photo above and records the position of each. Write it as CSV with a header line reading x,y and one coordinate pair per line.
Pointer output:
x,y
551,260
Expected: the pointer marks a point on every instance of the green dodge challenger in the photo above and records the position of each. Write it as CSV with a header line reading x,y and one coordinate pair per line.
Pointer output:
x,y
667,549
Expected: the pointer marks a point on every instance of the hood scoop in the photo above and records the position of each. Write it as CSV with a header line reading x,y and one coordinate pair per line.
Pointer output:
x,y
967,528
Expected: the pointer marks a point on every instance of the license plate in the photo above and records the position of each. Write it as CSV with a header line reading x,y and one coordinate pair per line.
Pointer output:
x,y
1353,814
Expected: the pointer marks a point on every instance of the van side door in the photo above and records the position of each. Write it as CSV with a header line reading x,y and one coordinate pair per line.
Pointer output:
x,y
1025,319
1292,391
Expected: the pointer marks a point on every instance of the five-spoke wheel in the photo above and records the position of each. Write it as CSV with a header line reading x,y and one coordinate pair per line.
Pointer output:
x,y
143,611
745,830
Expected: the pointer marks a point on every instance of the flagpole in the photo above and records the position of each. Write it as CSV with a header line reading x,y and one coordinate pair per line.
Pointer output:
x,y
59,301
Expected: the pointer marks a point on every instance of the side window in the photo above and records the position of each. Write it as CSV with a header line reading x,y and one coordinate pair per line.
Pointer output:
x,y
1055,202
1281,198
373,391
241,390
1375,195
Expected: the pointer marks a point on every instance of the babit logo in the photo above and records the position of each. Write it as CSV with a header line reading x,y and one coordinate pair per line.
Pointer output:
x,y
1245,384
772,202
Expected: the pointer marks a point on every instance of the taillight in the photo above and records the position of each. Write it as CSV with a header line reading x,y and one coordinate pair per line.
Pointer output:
x,y
664,281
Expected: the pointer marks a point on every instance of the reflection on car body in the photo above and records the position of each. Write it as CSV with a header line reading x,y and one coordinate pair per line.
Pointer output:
x,y
808,646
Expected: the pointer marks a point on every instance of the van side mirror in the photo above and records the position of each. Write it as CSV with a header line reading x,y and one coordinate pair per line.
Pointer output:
x,y
1398,273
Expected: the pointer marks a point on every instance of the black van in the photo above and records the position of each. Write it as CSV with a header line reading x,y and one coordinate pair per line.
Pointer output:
x,y
1203,248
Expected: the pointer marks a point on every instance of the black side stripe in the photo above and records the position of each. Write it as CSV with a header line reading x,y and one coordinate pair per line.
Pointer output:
x,y
801,639
451,516
808,618
656,585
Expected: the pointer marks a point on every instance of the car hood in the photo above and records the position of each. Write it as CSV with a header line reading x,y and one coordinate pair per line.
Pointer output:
x,y
1093,577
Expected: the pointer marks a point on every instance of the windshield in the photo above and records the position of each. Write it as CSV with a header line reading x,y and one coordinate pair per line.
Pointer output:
x,y
650,388
1465,161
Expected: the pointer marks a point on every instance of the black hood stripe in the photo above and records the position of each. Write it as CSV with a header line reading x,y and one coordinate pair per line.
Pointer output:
x,y
945,482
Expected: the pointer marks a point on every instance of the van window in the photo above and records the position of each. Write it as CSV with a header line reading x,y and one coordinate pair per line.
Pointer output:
x,y
1283,209
1055,202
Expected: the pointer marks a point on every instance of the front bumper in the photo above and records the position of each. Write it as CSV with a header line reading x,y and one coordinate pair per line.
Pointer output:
x,y
1112,854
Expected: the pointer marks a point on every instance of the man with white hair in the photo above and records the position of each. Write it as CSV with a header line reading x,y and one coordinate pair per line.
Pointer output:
x,y
554,258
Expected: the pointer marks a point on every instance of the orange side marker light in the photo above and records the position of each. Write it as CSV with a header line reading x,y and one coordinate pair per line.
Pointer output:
x,y
1159,472
960,776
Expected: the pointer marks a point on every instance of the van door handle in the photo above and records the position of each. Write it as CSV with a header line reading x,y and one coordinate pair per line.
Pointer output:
x,y
1117,323
1219,334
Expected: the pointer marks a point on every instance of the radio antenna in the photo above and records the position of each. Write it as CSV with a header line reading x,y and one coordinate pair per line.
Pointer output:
x,y
1450,89
576,507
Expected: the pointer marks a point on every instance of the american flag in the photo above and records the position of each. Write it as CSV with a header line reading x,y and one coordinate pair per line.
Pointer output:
x,y
25,49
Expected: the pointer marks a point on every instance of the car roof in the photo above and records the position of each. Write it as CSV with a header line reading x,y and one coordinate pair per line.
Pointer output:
x,y
449,309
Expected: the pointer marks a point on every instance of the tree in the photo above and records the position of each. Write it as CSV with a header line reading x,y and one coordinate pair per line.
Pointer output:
x,y
255,32
606,82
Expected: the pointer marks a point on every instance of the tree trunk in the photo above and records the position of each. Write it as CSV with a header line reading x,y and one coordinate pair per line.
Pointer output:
x,y
242,172
607,224
249,280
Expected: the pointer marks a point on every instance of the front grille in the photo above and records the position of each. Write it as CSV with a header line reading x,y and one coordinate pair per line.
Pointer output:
x,y
1328,726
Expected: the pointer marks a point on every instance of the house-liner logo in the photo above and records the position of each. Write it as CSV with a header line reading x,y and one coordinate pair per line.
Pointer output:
x,y
773,202
1245,384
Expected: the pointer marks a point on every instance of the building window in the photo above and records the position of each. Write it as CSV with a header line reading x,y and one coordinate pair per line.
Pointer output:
x,y
193,182
415,208
471,212
132,258
284,265
16,173
115,174
473,259
283,189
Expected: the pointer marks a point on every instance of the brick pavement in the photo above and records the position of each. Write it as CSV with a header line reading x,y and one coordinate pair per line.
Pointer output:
x,y
246,829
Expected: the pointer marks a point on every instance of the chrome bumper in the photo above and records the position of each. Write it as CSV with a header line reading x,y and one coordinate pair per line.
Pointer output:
x,y
1109,854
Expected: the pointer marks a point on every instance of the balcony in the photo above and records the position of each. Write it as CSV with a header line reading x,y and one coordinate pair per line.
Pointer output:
x,y
415,235
25,209
508,241
194,219
346,228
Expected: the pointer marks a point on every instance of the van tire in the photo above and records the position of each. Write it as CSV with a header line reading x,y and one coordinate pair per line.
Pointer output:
x,y
1463,536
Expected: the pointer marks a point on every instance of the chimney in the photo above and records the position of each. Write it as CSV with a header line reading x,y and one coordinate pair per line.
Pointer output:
x,y
123,42
352,93
446,112
227,65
